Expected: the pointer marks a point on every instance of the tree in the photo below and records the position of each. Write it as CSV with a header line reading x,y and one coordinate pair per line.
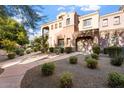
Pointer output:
x,y
30,15
13,31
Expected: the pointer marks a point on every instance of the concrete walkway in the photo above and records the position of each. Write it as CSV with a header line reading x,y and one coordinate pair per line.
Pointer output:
x,y
15,69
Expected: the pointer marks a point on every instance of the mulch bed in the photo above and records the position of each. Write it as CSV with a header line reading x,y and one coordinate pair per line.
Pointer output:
x,y
83,77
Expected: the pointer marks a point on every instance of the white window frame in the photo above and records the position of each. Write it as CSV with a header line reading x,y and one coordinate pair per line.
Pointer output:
x,y
116,20
105,22
87,22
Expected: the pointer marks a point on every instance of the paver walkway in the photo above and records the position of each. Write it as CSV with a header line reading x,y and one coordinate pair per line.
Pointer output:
x,y
15,69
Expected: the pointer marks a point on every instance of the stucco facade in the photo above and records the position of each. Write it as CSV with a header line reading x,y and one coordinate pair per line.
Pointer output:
x,y
81,32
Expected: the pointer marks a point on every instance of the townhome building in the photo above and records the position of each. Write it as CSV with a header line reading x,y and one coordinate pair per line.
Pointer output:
x,y
81,32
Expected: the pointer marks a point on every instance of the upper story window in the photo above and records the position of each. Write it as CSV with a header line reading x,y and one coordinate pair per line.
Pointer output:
x,y
67,21
55,26
51,27
117,20
60,25
87,22
105,22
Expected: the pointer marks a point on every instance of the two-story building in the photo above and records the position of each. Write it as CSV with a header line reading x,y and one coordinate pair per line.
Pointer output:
x,y
81,32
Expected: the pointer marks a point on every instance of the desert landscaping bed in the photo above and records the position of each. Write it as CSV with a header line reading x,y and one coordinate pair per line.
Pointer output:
x,y
1,70
83,77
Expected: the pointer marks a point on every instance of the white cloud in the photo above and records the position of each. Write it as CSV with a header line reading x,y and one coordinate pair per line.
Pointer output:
x,y
89,7
61,8
72,8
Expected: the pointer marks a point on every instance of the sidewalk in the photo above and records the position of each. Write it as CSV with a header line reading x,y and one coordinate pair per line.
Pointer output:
x,y
13,73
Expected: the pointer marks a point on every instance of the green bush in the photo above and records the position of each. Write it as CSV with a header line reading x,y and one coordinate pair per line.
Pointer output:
x,y
35,49
8,45
11,55
20,51
92,63
66,80
68,49
87,57
51,49
48,69
28,51
115,80
95,56
57,50
114,51
117,61
73,60
61,50
96,49
105,50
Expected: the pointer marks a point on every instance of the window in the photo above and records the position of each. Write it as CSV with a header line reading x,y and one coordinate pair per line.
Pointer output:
x,y
60,25
61,42
55,26
87,22
117,20
105,22
51,27
67,21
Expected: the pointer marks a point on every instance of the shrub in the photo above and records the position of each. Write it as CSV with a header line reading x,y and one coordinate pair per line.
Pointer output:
x,y
105,50
35,49
115,80
96,49
68,49
66,80
20,51
114,51
117,61
28,51
95,56
51,49
57,50
61,50
91,63
11,55
8,45
73,60
48,69
87,57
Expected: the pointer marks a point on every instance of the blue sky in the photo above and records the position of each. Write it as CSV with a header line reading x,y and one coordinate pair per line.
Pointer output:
x,y
51,11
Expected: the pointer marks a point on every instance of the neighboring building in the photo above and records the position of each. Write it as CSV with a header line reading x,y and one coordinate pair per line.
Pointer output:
x,y
81,32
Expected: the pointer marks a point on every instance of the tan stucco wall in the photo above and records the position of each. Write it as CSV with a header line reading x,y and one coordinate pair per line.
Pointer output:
x,y
94,22
110,18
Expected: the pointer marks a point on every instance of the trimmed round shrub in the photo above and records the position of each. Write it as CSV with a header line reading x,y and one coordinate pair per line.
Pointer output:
x,y
94,56
73,60
66,80
92,63
28,51
20,51
105,50
96,49
117,61
68,50
114,51
51,49
35,49
61,50
48,69
11,55
116,80
57,50
87,57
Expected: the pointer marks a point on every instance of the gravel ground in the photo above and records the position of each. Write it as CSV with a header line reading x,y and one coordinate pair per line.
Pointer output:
x,y
83,77
1,70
